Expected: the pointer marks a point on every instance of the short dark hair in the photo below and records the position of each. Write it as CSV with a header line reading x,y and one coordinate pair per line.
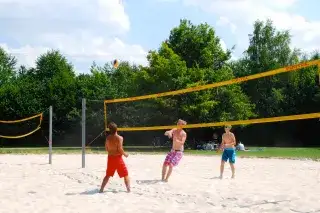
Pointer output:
x,y
112,128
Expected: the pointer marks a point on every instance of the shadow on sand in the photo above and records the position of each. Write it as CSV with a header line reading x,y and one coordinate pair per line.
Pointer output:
x,y
95,191
212,178
148,182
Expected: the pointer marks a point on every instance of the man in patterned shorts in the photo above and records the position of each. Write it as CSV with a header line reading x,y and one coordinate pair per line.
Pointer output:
x,y
173,158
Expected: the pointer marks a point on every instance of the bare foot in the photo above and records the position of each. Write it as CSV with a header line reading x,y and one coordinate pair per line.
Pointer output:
x,y
221,177
233,177
101,191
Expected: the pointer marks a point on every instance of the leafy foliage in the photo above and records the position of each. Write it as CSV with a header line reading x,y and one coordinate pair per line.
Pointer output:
x,y
192,55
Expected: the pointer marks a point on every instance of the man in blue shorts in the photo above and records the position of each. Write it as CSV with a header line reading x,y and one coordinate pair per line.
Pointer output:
x,y
229,153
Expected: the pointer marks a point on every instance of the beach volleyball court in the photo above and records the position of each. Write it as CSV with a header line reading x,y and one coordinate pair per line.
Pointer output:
x,y
29,184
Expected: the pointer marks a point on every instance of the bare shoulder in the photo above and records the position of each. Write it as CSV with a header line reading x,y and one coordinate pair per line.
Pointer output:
x,y
120,138
184,133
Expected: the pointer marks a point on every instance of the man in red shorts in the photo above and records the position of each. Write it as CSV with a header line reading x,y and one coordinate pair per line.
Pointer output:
x,y
114,148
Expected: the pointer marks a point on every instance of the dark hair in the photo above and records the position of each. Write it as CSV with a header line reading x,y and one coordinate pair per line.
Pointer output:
x,y
112,128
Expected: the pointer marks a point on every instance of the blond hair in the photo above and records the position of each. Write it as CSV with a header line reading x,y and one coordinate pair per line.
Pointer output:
x,y
182,122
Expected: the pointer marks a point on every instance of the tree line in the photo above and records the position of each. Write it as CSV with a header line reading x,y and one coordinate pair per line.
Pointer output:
x,y
191,55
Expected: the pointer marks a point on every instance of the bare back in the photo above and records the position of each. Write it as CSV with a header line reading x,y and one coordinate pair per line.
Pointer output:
x,y
114,145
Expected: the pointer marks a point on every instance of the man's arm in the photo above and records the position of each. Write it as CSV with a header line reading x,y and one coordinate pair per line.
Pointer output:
x,y
222,142
106,145
120,147
234,139
169,133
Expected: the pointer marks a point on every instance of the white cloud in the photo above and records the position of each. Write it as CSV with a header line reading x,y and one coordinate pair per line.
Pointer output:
x,y
83,30
25,54
223,45
171,1
242,13
225,48
225,21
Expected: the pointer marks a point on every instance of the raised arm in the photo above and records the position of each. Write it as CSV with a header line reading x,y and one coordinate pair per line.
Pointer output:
x,y
169,133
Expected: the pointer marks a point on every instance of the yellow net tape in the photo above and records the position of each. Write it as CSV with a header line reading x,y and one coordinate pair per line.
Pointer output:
x,y
21,120
21,136
234,123
219,84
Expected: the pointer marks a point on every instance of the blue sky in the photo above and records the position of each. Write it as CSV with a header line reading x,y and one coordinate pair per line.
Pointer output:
x,y
103,30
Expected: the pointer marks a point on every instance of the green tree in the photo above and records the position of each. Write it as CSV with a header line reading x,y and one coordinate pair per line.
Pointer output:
x,y
268,49
168,71
198,45
7,66
56,78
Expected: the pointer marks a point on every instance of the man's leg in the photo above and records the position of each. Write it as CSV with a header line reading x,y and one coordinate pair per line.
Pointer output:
x,y
232,161
174,162
169,173
164,171
232,169
222,168
104,183
127,183
166,163
111,169
224,159
122,171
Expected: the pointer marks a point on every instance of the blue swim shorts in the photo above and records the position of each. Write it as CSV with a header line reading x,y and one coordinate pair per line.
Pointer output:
x,y
229,154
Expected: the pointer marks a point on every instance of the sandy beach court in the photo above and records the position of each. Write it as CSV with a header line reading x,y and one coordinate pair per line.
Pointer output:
x,y
29,184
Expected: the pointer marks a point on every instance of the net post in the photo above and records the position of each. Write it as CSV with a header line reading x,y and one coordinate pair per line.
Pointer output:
x,y
50,135
83,124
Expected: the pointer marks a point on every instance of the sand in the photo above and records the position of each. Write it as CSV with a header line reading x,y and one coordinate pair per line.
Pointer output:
x,y
29,184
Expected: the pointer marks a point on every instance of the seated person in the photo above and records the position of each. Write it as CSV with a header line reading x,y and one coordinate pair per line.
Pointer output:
x,y
240,147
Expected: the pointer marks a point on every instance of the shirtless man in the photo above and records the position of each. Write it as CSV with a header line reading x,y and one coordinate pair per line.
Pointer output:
x,y
228,146
114,148
172,159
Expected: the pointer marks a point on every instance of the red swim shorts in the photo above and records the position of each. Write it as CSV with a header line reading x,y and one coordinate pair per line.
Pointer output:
x,y
116,163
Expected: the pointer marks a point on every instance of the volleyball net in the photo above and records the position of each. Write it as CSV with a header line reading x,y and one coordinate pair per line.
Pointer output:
x,y
16,129
160,111
24,128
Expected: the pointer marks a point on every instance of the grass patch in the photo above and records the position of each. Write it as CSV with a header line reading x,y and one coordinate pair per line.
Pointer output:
x,y
270,152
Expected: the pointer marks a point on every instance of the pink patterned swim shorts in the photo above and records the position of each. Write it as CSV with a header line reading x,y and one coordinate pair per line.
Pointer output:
x,y
173,158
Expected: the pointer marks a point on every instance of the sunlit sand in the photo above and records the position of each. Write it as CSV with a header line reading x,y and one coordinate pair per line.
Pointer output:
x,y
29,184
